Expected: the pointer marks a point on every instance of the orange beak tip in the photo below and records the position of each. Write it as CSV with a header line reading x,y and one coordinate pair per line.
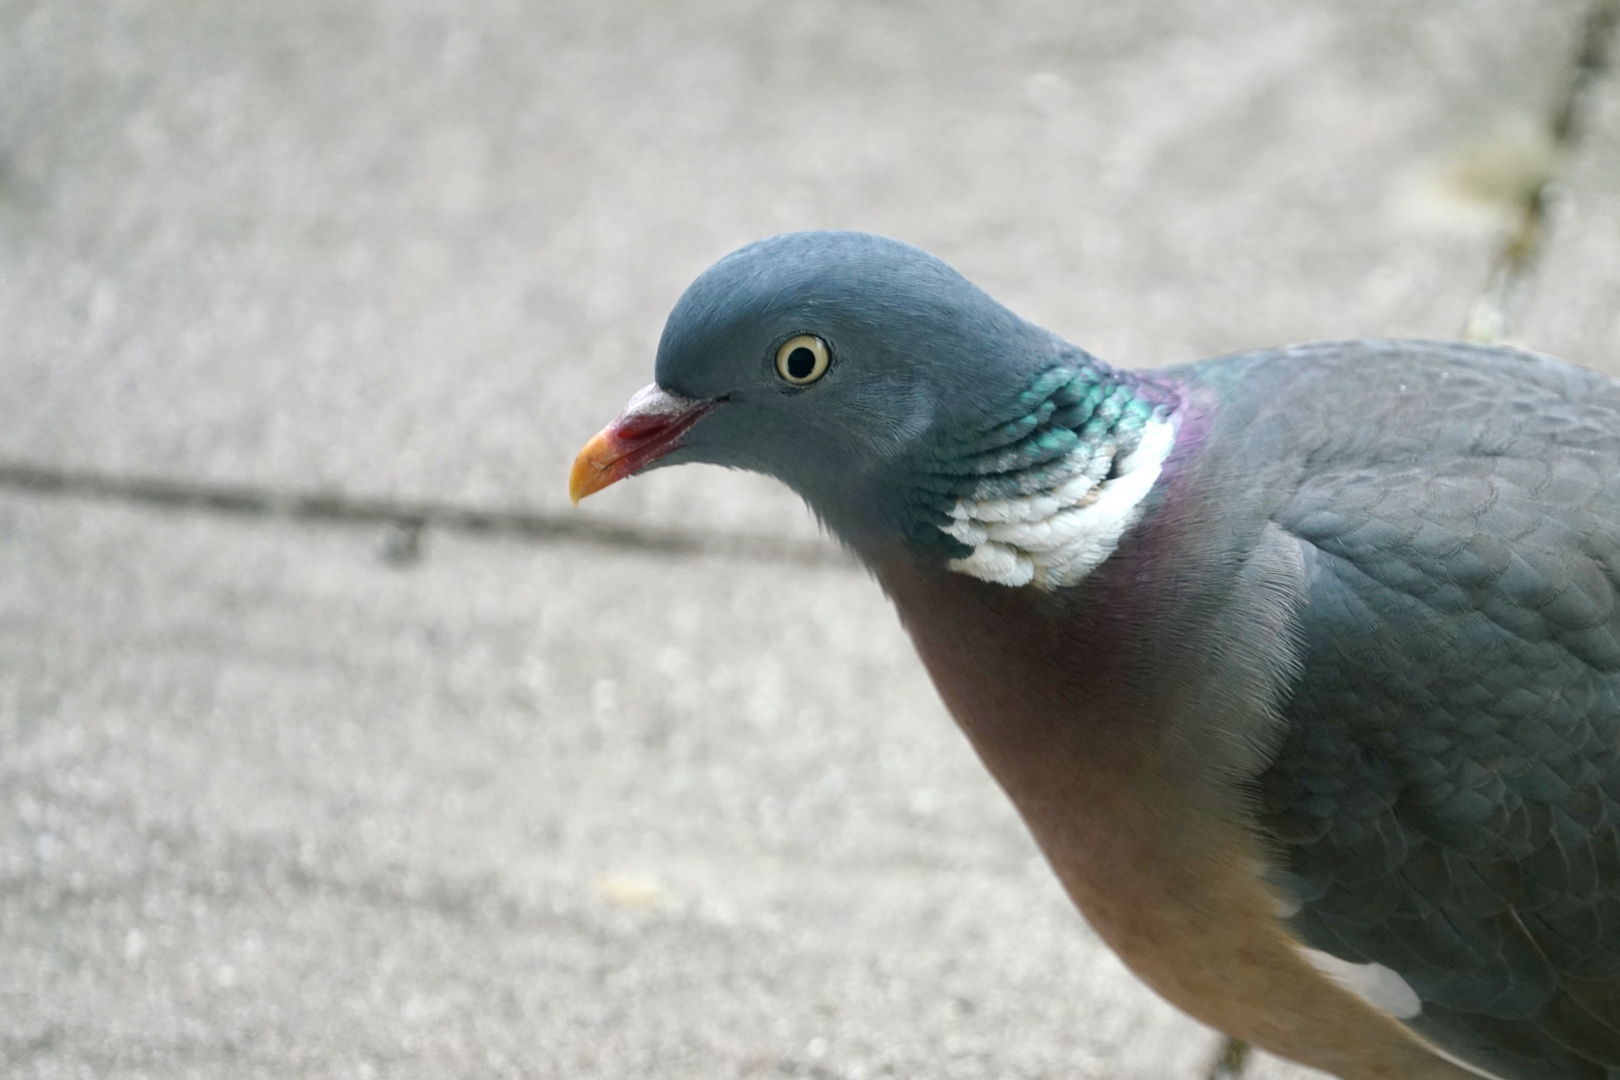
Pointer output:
x,y
593,468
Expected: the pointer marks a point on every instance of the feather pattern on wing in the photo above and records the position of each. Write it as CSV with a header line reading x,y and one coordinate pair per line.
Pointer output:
x,y
1447,797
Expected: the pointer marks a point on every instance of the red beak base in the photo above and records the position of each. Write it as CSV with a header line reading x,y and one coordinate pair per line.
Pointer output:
x,y
650,427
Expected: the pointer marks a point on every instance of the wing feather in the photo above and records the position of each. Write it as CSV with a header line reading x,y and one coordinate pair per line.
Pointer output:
x,y
1445,799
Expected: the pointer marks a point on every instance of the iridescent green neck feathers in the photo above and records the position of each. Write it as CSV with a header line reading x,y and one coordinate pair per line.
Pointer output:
x,y
1044,493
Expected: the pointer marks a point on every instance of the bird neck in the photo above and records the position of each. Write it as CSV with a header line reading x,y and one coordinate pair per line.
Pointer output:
x,y
1170,660
1045,486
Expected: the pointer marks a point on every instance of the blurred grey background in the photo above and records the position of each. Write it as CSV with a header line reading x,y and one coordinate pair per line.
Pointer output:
x,y
655,787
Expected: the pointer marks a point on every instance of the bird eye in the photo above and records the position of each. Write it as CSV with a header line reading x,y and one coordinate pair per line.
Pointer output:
x,y
802,360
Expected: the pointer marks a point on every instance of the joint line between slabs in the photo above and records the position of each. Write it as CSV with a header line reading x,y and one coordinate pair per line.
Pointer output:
x,y
409,518
1490,317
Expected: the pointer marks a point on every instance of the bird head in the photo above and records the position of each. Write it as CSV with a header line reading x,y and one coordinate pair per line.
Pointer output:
x,y
837,362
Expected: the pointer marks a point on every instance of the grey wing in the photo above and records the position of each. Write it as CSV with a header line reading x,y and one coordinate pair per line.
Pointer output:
x,y
1447,798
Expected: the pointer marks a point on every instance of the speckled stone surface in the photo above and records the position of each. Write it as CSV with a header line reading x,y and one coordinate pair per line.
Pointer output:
x,y
420,248
272,807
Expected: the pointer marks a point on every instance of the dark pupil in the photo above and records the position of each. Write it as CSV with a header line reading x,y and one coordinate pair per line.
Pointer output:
x,y
801,362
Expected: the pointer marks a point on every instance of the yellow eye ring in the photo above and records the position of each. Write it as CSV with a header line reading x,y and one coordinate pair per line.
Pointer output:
x,y
802,360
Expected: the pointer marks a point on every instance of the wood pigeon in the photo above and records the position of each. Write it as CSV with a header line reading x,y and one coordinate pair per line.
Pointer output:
x,y
1302,665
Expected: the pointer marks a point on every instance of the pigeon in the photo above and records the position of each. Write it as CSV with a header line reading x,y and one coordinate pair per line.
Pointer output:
x,y
1301,665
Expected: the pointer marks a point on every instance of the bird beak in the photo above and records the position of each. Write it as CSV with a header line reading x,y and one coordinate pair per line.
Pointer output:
x,y
650,427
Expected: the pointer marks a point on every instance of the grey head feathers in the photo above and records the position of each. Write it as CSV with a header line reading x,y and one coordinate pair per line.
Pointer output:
x,y
924,367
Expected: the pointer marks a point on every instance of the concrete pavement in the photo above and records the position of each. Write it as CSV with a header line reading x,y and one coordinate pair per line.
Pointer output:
x,y
276,806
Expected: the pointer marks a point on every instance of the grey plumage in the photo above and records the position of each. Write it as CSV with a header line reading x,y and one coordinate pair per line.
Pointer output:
x,y
1446,793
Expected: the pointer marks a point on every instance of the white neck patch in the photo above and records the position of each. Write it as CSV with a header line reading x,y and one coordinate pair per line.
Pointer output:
x,y
1056,537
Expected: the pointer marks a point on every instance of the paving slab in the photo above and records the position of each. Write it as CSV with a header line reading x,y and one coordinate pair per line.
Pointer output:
x,y
274,808
1574,308
422,249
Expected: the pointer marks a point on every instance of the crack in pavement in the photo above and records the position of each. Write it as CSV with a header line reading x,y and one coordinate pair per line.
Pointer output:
x,y
407,518
1490,318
